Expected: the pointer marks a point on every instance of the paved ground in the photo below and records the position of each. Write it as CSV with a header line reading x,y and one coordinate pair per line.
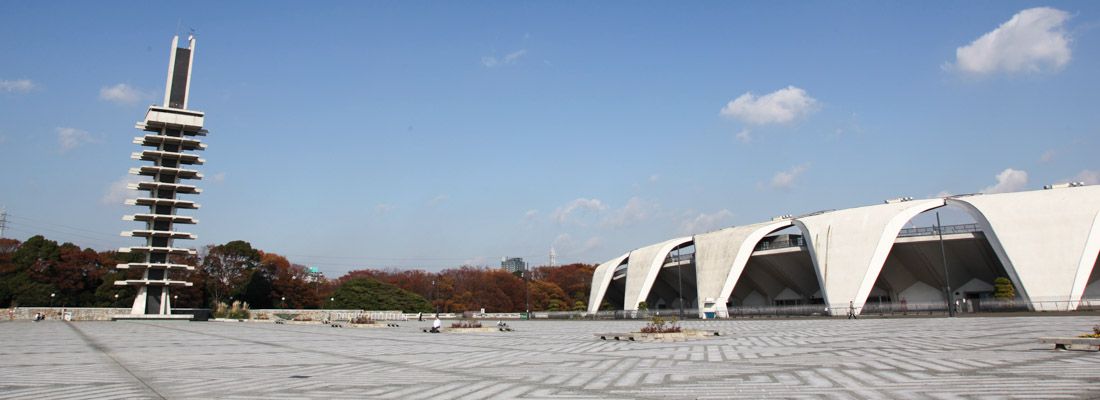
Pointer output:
x,y
883,359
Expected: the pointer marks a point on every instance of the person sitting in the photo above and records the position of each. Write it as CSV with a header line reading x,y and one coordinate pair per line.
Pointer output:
x,y
436,325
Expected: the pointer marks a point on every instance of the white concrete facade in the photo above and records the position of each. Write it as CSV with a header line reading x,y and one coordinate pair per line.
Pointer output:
x,y
1046,240
848,247
643,266
720,258
601,279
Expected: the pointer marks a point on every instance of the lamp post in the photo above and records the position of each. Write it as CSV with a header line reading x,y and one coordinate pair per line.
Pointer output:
x,y
679,284
432,296
526,293
175,300
115,304
51,299
283,300
946,278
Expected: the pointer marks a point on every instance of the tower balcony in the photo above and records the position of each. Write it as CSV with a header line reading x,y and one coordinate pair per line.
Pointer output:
x,y
152,201
177,251
141,266
157,155
164,117
175,219
153,170
177,187
160,234
150,282
157,140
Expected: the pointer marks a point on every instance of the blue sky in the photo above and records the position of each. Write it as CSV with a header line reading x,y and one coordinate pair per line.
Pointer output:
x,y
436,134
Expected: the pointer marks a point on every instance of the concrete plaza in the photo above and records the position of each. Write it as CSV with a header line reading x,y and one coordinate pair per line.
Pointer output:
x,y
868,358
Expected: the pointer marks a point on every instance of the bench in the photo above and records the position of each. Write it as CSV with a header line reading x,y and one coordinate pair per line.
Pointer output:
x,y
1072,343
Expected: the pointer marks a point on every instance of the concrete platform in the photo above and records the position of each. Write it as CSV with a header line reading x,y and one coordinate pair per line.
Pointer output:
x,y
151,317
922,358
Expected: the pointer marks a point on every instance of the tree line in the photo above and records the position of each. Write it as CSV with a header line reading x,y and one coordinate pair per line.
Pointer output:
x,y
41,272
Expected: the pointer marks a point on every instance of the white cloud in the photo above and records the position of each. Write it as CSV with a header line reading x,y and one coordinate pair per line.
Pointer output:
x,y
438,200
383,208
781,106
530,215
16,86
1047,156
117,192
1009,180
508,59
565,245
706,222
218,177
71,138
1089,177
786,179
942,193
745,136
1033,40
563,214
122,94
476,261
654,178
635,210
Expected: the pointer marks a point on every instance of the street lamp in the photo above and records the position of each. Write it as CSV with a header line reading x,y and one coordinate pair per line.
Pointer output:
x,y
946,276
283,299
115,304
433,299
526,293
51,299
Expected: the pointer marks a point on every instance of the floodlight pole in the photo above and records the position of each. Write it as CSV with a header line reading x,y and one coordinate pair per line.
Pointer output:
x,y
679,284
526,293
946,276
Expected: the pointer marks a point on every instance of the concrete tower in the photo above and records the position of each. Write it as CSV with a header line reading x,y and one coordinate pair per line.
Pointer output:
x,y
171,132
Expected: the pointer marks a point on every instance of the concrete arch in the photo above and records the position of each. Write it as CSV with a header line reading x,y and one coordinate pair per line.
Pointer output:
x,y
849,247
643,266
601,279
720,258
1047,240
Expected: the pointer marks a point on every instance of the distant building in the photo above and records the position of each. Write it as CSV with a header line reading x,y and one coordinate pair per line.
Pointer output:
x,y
314,275
513,265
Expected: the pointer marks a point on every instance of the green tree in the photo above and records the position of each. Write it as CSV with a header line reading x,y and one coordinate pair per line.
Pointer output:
x,y
226,266
369,294
1003,289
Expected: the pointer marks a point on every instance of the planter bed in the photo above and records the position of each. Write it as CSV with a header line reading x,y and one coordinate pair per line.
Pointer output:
x,y
685,335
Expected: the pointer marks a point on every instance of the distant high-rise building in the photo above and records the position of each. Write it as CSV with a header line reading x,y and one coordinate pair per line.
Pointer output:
x,y
513,264
171,132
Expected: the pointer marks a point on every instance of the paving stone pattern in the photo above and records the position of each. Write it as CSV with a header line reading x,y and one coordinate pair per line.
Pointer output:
x,y
937,358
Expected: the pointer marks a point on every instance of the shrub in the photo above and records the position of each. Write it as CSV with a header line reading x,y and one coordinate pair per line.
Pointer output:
x,y
262,316
237,311
466,324
659,325
1003,289
1095,333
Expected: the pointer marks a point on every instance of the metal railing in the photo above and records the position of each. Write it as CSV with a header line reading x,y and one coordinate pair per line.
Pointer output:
x,y
795,241
673,258
947,230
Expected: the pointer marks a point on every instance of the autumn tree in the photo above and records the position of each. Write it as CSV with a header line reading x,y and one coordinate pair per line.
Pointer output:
x,y
227,267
